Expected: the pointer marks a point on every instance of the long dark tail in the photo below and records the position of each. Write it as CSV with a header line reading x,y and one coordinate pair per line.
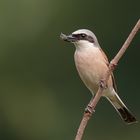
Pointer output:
x,y
123,111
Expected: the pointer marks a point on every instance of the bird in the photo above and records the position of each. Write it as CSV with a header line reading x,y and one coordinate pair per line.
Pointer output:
x,y
92,64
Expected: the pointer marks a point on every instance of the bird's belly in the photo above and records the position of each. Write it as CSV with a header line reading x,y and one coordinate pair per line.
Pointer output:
x,y
89,77
90,71
92,67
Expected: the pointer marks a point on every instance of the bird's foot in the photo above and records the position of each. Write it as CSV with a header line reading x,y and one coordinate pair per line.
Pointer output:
x,y
89,109
102,84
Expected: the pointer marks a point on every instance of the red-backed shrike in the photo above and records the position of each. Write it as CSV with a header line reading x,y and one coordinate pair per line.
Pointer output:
x,y
92,64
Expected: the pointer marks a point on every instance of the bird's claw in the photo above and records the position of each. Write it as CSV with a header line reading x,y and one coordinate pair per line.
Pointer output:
x,y
89,109
102,84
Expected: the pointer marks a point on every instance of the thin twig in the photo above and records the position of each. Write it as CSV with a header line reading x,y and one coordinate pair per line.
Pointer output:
x,y
91,106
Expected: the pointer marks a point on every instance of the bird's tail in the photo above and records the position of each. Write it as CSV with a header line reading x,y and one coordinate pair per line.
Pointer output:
x,y
122,110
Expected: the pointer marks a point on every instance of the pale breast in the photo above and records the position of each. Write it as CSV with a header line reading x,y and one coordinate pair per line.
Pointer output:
x,y
91,66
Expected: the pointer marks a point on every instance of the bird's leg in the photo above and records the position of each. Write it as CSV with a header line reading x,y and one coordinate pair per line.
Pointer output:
x,y
89,108
102,84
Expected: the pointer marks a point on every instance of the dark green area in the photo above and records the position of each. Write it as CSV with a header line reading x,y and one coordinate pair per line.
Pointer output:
x,y
41,94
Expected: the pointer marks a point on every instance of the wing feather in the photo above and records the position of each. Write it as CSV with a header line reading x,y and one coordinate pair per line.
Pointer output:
x,y
112,75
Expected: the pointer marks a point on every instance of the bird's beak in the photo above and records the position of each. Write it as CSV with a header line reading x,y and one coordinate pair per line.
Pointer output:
x,y
68,38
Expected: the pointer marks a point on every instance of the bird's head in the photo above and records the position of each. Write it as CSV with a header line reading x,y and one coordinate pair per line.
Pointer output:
x,y
81,38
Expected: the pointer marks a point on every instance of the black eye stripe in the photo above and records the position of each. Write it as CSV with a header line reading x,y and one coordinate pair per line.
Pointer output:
x,y
90,39
79,36
75,35
83,36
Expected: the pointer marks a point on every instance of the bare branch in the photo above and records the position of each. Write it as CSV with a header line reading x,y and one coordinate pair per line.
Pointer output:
x,y
91,106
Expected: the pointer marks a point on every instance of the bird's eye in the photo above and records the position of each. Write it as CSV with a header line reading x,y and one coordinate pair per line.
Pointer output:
x,y
83,35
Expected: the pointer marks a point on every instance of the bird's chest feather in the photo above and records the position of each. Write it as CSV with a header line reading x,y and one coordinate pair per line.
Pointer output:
x,y
90,65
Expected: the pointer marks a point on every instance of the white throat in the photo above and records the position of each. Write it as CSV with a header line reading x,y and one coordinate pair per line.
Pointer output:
x,y
83,44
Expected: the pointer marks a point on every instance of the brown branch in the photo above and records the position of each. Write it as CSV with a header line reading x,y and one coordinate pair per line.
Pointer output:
x,y
91,106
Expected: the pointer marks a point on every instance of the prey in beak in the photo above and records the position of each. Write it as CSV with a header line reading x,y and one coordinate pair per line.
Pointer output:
x,y
68,38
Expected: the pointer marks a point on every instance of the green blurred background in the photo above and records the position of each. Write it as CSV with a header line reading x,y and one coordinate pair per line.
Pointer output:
x,y
41,94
